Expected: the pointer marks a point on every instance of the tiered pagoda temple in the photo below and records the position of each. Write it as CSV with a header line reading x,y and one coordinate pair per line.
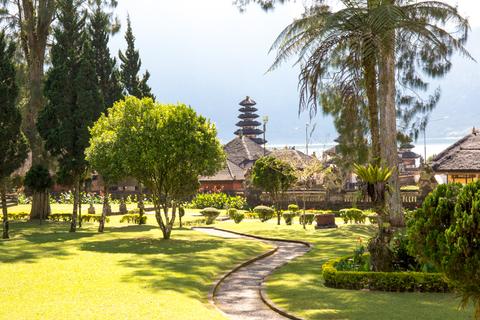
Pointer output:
x,y
249,126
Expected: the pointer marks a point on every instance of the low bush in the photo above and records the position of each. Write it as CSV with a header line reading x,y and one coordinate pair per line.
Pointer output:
x,y
382,281
210,214
218,201
288,217
264,213
352,215
133,218
66,217
309,218
17,216
250,215
93,218
293,208
235,215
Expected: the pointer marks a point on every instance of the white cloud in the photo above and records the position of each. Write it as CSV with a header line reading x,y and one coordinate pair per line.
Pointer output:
x,y
469,9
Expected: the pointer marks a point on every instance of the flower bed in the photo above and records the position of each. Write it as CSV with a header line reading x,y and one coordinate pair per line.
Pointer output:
x,y
382,281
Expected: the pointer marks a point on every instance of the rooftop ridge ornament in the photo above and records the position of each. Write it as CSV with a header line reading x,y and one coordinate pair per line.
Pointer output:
x,y
248,126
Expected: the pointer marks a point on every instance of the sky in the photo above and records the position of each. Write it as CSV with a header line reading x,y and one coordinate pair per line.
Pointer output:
x,y
209,55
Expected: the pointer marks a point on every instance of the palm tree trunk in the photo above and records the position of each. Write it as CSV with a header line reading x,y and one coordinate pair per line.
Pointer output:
x,y
388,124
3,193
370,74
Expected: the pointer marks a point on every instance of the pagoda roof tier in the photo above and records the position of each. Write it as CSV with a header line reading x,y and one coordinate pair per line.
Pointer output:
x,y
248,123
248,109
248,116
248,131
247,102
259,140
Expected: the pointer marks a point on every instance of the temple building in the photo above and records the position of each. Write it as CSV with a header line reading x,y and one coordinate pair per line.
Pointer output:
x,y
461,161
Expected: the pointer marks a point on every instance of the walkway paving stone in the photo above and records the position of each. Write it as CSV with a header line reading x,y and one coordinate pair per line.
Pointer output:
x,y
239,294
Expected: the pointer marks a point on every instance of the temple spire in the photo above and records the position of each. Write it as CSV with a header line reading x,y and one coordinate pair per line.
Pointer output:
x,y
249,126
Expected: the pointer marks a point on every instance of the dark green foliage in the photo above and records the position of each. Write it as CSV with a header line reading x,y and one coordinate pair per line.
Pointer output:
x,y
13,144
18,216
352,215
133,218
264,213
38,179
382,281
210,214
73,98
108,75
217,200
235,215
288,217
93,218
293,208
402,259
130,68
65,217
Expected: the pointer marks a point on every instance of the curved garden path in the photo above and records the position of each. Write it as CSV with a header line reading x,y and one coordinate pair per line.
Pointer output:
x,y
239,294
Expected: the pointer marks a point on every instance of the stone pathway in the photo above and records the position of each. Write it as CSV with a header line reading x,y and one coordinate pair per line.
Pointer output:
x,y
238,295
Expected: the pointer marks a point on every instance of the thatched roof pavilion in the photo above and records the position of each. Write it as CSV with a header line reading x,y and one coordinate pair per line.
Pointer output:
x,y
461,161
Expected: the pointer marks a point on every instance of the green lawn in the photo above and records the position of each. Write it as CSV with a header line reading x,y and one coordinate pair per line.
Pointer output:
x,y
126,273
298,286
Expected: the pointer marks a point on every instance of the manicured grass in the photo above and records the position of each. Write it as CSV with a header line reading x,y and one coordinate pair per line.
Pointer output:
x,y
67,208
126,273
298,286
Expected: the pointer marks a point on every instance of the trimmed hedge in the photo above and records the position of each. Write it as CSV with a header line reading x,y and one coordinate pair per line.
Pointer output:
x,y
93,218
235,215
352,215
18,216
383,281
210,214
288,217
309,218
65,217
133,218
293,208
264,213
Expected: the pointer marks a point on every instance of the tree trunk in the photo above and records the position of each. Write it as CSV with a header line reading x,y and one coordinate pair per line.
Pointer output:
x,y
76,187
370,74
40,208
388,123
141,206
80,205
3,193
101,226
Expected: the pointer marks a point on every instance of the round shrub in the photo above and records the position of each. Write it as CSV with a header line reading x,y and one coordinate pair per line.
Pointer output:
x,y
210,214
309,218
288,217
293,208
235,215
38,179
264,213
352,215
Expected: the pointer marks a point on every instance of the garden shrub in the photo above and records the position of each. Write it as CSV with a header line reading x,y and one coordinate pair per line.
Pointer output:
x,y
251,215
66,217
264,213
235,215
133,218
17,216
93,218
309,218
288,217
218,201
382,281
293,208
210,214
445,232
352,215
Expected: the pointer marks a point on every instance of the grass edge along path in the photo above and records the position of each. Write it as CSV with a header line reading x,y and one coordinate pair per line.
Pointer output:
x,y
298,288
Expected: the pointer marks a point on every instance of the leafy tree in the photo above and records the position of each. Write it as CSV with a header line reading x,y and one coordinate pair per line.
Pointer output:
x,y
444,232
105,156
13,144
274,177
130,68
166,147
306,178
74,101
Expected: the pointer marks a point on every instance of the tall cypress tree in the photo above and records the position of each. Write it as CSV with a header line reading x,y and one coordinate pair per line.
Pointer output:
x,y
130,68
13,144
74,100
100,28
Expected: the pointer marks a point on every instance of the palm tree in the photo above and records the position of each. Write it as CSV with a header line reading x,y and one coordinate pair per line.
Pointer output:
x,y
369,48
